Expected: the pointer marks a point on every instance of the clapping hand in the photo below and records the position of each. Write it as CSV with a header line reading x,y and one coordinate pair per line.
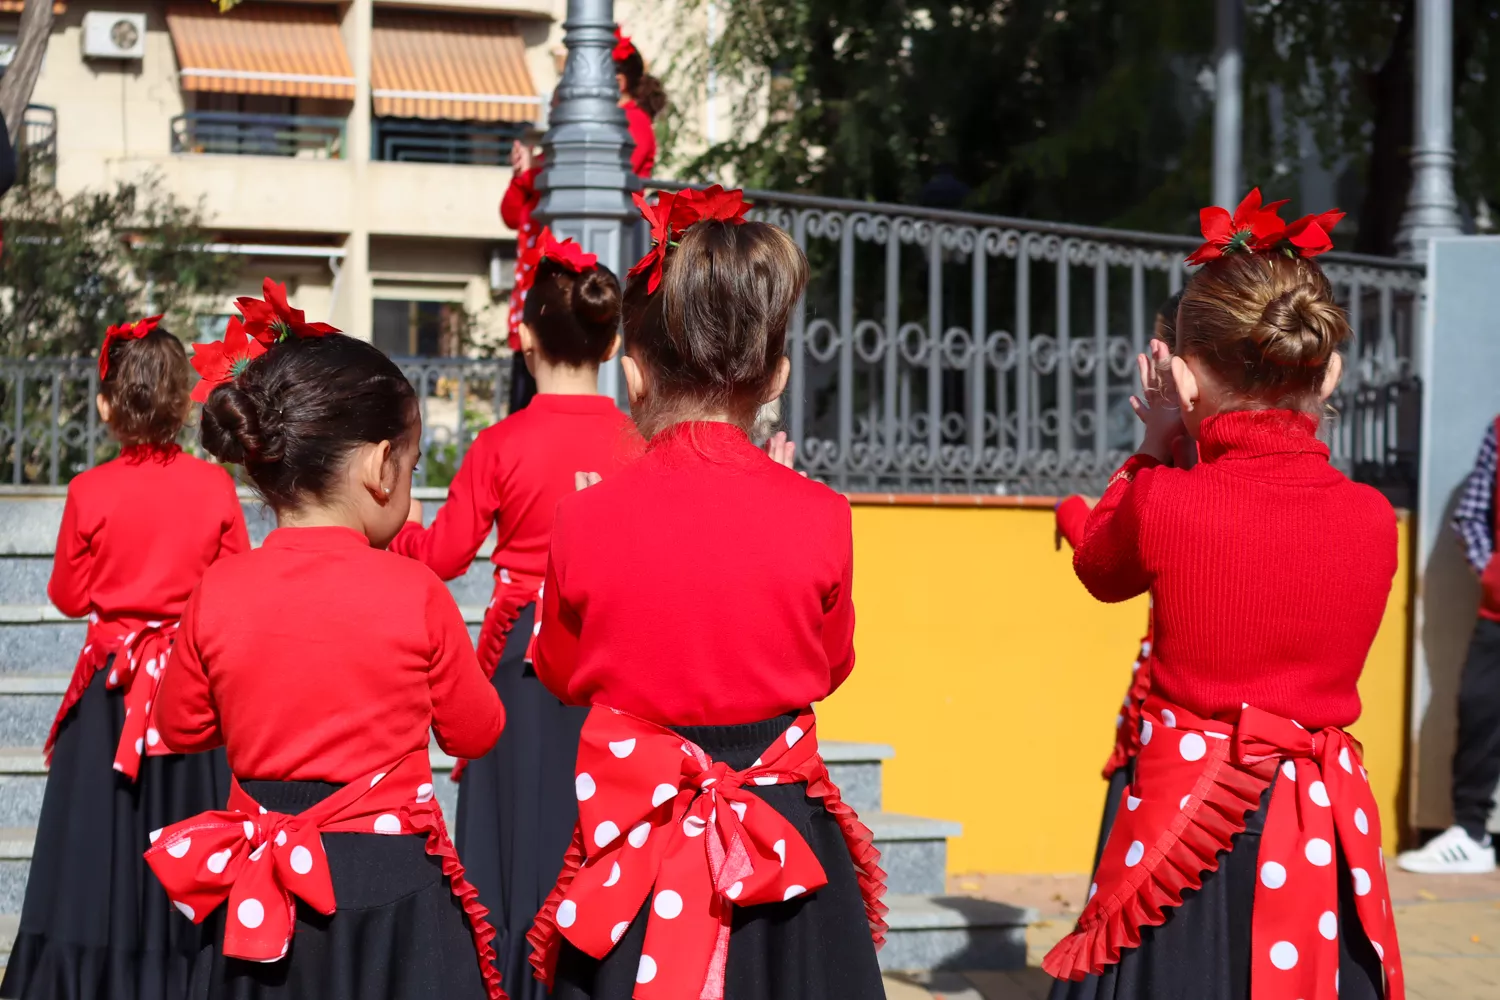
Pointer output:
x,y
583,480
782,450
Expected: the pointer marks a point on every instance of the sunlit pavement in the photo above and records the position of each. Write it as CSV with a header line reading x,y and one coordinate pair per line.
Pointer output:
x,y
1449,927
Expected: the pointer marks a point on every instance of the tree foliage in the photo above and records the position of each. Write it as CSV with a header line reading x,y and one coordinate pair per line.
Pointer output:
x,y
1093,111
72,266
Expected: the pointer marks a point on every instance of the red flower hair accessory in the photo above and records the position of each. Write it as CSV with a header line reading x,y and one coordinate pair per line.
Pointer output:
x,y
223,360
124,331
624,47
271,319
1307,237
675,214
1242,232
567,253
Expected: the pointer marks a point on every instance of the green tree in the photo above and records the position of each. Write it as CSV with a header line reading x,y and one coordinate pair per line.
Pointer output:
x,y
1091,111
72,266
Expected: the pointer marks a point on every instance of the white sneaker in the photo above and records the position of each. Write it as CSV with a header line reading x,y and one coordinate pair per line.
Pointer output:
x,y
1452,852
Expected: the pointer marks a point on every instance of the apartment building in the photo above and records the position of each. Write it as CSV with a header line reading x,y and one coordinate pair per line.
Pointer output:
x,y
356,150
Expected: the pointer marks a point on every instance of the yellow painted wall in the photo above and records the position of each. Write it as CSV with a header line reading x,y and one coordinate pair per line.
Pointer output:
x,y
996,677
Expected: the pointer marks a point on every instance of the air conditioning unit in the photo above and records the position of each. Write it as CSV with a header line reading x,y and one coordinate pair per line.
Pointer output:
x,y
114,36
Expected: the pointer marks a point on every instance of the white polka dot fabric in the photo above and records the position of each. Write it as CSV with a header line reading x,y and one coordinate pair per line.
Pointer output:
x,y
654,835
1214,773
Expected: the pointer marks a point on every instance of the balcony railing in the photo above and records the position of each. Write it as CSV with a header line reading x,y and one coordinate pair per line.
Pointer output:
x,y
229,133
36,153
411,140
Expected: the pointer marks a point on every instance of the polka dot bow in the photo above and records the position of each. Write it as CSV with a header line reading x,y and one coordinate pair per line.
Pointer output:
x,y
259,860
659,819
1196,781
137,670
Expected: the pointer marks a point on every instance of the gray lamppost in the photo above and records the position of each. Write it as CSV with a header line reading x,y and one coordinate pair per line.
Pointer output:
x,y
586,180
1432,206
1228,101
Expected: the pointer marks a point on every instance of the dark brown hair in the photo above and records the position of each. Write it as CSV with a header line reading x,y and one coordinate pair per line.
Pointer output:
x,y
295,413
147,389
643,88
712,335
1266,324
575,317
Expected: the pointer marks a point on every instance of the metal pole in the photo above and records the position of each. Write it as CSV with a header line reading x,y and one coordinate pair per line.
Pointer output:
x,y
1432,206
1228,100
586,180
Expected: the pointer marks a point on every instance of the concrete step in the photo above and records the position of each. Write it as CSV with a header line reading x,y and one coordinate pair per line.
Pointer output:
x,y
934,932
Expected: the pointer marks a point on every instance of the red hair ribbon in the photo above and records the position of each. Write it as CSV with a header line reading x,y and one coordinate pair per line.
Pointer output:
x,y
566,254
624,47
124,331
271,319
675,214
1257,228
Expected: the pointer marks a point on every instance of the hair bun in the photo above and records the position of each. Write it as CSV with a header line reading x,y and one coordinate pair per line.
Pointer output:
x,y
238,429
596,298
1300,328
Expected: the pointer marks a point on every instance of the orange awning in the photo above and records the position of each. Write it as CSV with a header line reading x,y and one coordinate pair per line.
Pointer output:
x,y
458,68
17,6
283,49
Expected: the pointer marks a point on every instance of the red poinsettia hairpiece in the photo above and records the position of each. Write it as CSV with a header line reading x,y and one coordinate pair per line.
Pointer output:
x,y
1241,232
223,360
124,331
1307,237
270,319
674,214
624,47
565,252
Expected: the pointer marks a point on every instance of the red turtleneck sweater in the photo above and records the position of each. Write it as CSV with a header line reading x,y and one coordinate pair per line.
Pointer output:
x,y
1268,569
704,584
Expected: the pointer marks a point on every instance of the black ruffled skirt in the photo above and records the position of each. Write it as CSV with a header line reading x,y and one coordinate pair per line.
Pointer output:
x,y
399,932
1202,952
1118,782
96,923
814,947
517,808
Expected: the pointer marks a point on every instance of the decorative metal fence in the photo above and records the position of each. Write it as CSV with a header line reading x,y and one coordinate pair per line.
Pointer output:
x,y
416,140
942,351
50,430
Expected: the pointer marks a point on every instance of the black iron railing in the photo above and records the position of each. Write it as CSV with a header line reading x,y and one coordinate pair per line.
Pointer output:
x,y
231,133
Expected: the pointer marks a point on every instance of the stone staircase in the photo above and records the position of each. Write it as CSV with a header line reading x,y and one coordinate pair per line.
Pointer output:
x,y
38,647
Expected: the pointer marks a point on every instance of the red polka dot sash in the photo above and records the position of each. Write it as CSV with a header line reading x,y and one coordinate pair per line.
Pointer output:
x,y
1128,722
1196,781
661,824
141,651
261,862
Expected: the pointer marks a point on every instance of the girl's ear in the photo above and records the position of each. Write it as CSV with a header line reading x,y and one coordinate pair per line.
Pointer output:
x,y
377,470
528,339
102,405
614,348
635,380
778,383
1186,383
1331,377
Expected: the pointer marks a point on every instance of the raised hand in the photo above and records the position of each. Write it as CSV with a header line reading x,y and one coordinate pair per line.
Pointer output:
x,y
1158,406
520,157
781,450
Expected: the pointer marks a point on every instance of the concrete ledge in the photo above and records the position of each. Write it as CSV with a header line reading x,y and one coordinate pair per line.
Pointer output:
x,y
954,932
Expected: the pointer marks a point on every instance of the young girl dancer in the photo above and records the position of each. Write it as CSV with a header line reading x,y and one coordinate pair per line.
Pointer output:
x,y
137,534
713,855
642,98
1269,572
1072,513
320,663
516,808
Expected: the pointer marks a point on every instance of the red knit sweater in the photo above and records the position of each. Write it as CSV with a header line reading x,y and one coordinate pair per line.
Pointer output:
x,y
1269,570
704,584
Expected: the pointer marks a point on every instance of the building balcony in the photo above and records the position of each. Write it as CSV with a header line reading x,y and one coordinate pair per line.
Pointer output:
x,y
233,133
418,140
